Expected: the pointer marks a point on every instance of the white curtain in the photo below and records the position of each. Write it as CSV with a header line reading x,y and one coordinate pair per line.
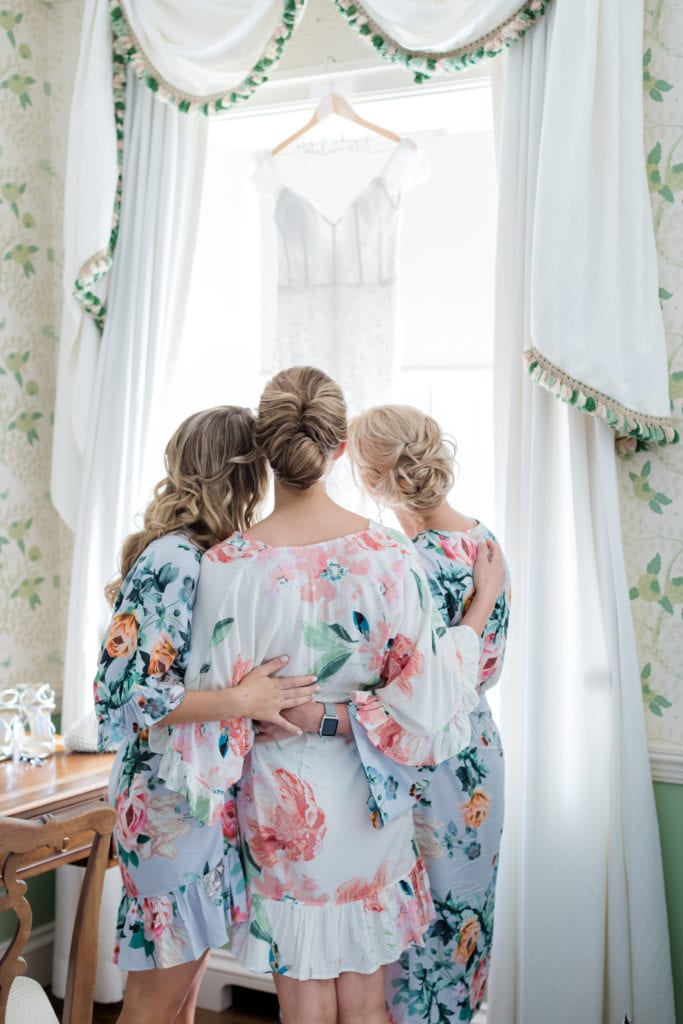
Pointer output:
x,y
437,27
581,928
594,279
203,47
91,181
163,170
164,156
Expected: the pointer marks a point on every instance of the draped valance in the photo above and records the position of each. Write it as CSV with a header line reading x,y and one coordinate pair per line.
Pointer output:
x,y
432,38
203,57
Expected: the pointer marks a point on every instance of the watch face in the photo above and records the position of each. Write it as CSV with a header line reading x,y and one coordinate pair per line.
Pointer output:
x,y
328,727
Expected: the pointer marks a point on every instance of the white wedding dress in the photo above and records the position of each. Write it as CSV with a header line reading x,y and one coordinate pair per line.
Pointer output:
x,y
337,279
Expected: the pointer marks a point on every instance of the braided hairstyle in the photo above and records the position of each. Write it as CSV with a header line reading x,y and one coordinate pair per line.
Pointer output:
x,y
215,480
402,458
301,421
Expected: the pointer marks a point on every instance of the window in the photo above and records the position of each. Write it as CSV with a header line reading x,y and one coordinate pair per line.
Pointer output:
x,y
445,272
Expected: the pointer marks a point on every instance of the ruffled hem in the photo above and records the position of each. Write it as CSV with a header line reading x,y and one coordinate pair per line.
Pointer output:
x,y
319,942
178,926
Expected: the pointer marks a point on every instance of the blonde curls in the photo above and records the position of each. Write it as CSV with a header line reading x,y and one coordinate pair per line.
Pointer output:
x,y
301,420
402,458
215,480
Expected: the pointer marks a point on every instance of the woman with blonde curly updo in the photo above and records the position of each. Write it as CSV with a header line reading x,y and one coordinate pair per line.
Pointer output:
x,y
333,900
182,881
405,463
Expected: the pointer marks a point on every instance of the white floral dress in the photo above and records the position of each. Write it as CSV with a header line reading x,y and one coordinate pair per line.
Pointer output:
x,y
182,878
328,892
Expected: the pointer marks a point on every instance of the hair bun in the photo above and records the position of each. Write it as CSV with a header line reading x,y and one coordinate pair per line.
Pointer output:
x,y
301,420
402,457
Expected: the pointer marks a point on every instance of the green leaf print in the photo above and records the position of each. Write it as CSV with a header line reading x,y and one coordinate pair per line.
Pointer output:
x,y
220,631
419,583
19,85
24,423
331,663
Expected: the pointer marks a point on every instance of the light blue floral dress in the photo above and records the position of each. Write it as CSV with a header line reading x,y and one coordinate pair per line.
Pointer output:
x,y
182,878
458,815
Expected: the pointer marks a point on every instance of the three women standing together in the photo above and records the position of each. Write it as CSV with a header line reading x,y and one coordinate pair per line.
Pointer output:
x,y
309,863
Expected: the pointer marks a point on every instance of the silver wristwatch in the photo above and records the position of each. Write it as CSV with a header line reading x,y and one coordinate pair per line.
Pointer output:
x,y
330,722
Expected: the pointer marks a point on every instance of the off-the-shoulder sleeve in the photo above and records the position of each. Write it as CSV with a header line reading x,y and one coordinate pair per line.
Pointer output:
x,y
407,169
265,177
419,714
142,662
201,760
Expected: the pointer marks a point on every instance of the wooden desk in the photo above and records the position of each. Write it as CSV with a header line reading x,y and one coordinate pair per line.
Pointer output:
x,y
67,784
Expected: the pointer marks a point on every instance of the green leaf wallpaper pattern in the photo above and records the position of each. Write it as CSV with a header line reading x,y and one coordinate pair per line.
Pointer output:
x,y
651,483
38,49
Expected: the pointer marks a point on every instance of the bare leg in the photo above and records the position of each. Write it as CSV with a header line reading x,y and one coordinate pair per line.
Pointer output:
x,y
157,996
306,1002
360,998
186,1013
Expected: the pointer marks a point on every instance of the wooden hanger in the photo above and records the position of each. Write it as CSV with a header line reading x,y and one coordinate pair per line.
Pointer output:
x,y
332,103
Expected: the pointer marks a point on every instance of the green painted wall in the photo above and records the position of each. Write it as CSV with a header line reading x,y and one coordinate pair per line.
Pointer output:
x,y
41,895
669,799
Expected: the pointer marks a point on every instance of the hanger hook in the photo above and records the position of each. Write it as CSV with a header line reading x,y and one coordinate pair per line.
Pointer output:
x,y
329,61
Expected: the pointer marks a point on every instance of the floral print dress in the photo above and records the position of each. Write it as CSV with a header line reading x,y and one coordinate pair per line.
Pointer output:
x,y
458,817
182,879
328,892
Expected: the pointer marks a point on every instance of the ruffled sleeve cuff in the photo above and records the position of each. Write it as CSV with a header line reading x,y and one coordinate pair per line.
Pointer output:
x,y
201,760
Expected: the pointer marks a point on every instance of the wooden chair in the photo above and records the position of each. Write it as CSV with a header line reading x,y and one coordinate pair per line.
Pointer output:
x,y
26,847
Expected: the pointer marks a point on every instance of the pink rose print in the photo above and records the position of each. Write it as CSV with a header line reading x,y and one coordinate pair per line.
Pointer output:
x,y
402,663
390,588
459,548
229,820
360,889
128,883
478,983
131,814
282,883
488,659
242,667
157,914
298,824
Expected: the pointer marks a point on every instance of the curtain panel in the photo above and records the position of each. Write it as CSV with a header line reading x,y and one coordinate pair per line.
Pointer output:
x,y
596,337
581,927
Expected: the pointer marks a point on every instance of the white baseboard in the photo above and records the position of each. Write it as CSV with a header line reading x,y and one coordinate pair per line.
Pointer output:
x,y
223,972
38,953
666,762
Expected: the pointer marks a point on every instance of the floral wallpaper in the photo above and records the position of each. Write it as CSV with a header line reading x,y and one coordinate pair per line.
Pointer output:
x,y
37,40
652,481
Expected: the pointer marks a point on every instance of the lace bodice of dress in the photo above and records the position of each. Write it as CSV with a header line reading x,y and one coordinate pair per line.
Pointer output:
x,y
337,278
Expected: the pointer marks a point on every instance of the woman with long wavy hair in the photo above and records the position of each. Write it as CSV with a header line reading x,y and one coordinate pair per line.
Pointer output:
x,y
182,880
333,900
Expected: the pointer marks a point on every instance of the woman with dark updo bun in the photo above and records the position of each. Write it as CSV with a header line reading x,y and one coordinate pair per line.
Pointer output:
x,y
333,900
